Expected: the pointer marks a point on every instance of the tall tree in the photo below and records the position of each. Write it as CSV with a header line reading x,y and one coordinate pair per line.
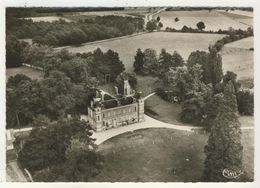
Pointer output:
x,y
177,59
150,61
224,148
165,61
139,61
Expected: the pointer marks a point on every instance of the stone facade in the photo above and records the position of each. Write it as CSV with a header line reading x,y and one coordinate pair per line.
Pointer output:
x,y
115,112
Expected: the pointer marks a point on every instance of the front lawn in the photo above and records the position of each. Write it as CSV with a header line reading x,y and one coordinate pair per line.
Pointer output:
x,y
161,155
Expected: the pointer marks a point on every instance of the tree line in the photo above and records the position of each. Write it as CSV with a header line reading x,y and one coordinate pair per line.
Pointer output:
x,y
61,33
238,33
193,82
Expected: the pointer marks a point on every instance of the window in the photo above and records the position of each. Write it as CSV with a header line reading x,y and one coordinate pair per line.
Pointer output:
x,y
103,115
98,118
135,108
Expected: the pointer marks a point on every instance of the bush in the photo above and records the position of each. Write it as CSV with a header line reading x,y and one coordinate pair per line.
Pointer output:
x,y
245,102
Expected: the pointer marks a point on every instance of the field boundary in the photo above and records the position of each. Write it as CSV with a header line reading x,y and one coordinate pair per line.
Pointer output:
x,y
101,41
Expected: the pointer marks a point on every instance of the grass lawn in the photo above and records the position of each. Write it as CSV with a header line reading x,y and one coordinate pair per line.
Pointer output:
x,y
127,47
167,112
162,110
32,73
147,84
152,154
213,20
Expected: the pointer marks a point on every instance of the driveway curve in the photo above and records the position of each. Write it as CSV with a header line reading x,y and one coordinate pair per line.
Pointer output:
x,y
148,123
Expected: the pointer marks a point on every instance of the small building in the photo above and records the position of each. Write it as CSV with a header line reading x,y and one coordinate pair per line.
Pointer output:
x,y
116,111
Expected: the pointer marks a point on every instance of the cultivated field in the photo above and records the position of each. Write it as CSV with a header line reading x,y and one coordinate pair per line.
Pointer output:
x,y
184,43
244,17
32,73
47,19
164,155
213,20
238,58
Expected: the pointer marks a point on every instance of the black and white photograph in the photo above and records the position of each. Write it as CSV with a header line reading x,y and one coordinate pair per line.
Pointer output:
x,y
129,93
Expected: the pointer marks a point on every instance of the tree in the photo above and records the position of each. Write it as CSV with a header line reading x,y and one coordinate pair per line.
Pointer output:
x,y
115,65
231,76
40,121
184,29
245,102
151,25
211,65
224,148
139,61
201,25
215,67
21,102
56,92
15,81
158,19
82,161
176,19
165,61
196,97
177,59
14,50
160,25
46,147
176,80
150,61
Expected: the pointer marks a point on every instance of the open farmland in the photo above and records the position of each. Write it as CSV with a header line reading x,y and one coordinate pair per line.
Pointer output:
x,y
244,17
133,12
238,58
47,19
126,47
213,20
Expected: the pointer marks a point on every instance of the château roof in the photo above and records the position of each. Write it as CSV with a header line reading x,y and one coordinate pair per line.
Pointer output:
x,y
112,103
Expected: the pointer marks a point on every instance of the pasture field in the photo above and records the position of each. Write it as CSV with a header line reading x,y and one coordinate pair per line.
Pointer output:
x,y
213,20
32,73
237,57
161,155
184,43
245,43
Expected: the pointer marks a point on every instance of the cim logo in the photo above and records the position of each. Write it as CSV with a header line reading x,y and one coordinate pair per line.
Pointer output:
x,y
231,174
